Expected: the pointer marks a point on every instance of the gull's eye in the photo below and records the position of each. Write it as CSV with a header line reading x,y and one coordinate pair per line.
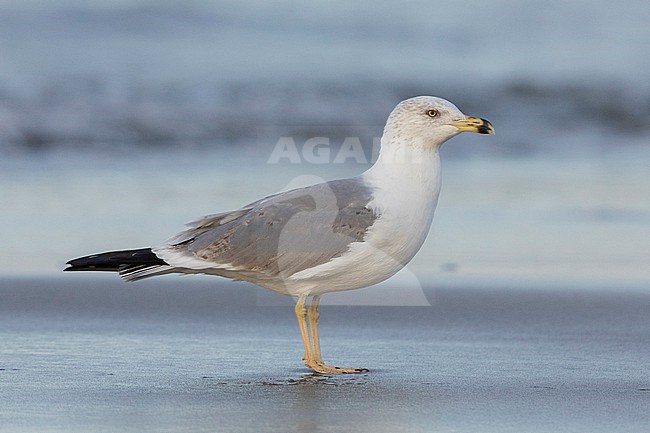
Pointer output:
x,y
433,113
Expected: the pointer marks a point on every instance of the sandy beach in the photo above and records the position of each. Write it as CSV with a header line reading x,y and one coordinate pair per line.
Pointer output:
x,y
182,354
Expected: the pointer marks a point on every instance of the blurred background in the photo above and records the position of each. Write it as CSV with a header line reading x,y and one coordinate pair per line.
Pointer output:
x,y
122,120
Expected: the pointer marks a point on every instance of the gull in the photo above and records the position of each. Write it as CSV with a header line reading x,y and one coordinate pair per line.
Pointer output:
x,y
337,235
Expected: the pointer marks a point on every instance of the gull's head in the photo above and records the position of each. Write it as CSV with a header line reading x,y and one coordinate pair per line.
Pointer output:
x,y
431,121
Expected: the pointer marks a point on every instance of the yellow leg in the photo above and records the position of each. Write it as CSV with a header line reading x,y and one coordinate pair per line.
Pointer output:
x,y
312,319
314,359
301,313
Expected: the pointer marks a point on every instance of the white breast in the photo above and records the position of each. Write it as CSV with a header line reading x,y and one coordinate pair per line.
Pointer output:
x,y
405,197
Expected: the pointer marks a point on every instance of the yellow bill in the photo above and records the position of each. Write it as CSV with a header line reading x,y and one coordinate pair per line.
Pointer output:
x,y
474,124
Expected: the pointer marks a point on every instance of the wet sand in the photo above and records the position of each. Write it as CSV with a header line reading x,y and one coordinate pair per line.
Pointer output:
x,y
92,354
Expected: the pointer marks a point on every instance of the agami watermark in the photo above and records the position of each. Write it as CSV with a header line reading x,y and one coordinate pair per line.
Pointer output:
x,y
323,150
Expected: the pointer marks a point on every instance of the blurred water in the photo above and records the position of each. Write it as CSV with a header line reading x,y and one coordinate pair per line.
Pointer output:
x,y
549,221
119,121
161,72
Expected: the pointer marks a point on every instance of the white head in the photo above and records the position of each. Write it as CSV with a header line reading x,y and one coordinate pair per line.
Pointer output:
x,y
428,121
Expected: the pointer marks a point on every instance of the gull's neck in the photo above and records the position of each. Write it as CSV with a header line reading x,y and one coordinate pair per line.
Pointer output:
x,y
406,164
406,183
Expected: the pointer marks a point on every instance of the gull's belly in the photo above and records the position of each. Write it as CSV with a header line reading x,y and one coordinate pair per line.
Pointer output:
x,y
389,245
405,198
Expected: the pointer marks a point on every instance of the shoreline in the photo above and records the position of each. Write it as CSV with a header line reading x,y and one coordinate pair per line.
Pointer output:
x,y
197,296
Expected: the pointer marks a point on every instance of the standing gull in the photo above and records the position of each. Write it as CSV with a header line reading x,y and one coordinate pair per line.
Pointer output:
x,y
338,235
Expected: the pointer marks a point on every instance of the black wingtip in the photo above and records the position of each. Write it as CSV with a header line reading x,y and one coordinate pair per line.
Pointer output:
x,y
114,261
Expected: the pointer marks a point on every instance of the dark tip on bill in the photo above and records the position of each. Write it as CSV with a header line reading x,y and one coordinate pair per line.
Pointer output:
x,y
486,127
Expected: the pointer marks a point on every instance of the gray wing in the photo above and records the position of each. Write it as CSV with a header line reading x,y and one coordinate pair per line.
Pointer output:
x,y
282,234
